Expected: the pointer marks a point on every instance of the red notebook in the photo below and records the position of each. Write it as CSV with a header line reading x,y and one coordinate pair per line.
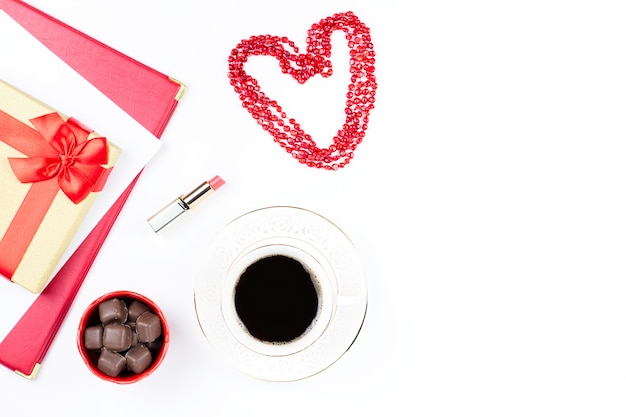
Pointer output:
x,y
150,97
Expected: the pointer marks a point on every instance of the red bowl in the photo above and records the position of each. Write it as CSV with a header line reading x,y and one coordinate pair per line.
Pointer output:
x,y
90,317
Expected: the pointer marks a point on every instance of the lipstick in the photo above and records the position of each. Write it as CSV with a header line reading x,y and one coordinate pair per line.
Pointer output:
x,y
184,203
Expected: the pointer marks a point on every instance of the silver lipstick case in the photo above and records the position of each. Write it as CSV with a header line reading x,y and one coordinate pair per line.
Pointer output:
x,y
179,206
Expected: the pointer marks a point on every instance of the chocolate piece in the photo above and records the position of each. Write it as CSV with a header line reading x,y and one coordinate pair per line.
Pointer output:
x,y
136,309
155,345
138,359
148,327
93,337
116,337
111,363
113,310
133,336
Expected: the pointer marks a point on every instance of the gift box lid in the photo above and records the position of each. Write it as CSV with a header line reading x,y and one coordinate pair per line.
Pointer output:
x,y
51,171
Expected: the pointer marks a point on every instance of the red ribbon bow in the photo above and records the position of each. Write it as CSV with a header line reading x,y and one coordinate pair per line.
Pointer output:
x,y
71,157
54,148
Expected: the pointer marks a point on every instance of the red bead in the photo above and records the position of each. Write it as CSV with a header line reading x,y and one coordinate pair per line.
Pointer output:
x,y
270,115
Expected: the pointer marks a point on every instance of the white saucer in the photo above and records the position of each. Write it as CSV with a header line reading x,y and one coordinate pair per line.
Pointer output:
x,y
306,231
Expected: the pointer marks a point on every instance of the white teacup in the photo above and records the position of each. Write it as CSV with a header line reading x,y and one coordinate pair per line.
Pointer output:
x,y
322,278
334,283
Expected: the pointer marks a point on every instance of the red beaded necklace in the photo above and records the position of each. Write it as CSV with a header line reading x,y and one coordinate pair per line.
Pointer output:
x,y
270,115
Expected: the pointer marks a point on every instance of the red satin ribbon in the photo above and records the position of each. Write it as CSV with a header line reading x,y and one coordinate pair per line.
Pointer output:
x,y
75,161
59,156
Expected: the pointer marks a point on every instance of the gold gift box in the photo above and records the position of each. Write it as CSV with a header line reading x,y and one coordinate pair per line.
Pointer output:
x,y
63,217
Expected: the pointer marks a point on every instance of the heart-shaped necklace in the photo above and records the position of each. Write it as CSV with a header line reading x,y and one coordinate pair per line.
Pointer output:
x,y
271,116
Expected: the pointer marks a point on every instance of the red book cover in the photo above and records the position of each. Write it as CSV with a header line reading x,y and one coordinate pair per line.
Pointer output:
x,y
150,97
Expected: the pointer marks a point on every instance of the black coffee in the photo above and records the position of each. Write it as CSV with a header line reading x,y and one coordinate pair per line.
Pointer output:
x,y
276,299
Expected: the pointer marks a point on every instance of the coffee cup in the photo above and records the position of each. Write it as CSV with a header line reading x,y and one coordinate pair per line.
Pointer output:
x,y
279,296
281,293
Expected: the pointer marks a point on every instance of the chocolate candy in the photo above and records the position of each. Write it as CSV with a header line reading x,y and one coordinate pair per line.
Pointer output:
x,y
138,359
148,327
113,310
156,345
133,334
116,337
111,363
136,309
127,338
93,337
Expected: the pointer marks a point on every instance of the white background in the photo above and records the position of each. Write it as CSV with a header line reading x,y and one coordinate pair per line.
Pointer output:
x,y
487,202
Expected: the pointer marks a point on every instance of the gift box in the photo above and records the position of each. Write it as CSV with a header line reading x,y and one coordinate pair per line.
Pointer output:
x,y
51,171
